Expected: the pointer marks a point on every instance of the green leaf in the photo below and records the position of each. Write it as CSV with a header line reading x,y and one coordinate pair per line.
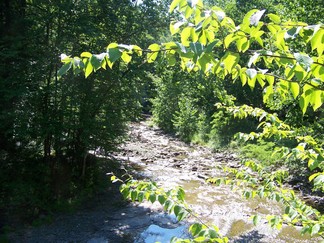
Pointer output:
x,y
200,239
114,54
260,77
152,198
161,199
177,209
256,219
317,41
268,91
88,69
133,195
274,18
171,59
248,15
230,60
175,28
270,79
137,50
86,54
243,78
197,48
251,73
140,197
95,61
63,70
181,194
280,40
306,229
319,180
303,103
125,57
315,229
154,48
195,229
210,46
168,205
243,44
125,192
316,99
213,234
255,18
312,177
292,33
318,71
185,34
229,39
182,215
173,5
294,88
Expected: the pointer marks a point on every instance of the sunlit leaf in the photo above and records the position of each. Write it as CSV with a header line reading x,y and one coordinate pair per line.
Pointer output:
x,y
251,73
313,176
317,41
175,28
294,87
316,99
86,54
304,60
126,58
185,34
229,39
151,56
253,59
274,18
303,102
315,229
230,60
173,5
220,14
292,33
88,69
248,16
255,18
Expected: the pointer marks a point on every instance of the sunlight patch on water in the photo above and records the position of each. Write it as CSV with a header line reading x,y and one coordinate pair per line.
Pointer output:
x,y
155,233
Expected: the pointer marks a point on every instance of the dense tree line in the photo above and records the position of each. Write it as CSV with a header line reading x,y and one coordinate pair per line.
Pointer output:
x,y
47,124
204,122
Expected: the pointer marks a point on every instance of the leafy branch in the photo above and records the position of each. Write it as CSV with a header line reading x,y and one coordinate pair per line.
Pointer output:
x,y
172,201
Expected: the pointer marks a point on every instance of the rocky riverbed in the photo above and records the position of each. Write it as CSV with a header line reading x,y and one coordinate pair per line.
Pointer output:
x,y
152,154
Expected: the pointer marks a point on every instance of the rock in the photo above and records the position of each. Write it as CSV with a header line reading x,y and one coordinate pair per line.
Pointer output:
x,y
194,168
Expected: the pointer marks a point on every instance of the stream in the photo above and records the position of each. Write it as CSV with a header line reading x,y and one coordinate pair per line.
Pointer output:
x,y
170,163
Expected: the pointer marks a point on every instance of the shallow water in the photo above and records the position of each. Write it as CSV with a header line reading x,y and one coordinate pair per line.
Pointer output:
x,y
172,163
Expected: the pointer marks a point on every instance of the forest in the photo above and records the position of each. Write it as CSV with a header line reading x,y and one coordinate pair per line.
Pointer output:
x,y
242,76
